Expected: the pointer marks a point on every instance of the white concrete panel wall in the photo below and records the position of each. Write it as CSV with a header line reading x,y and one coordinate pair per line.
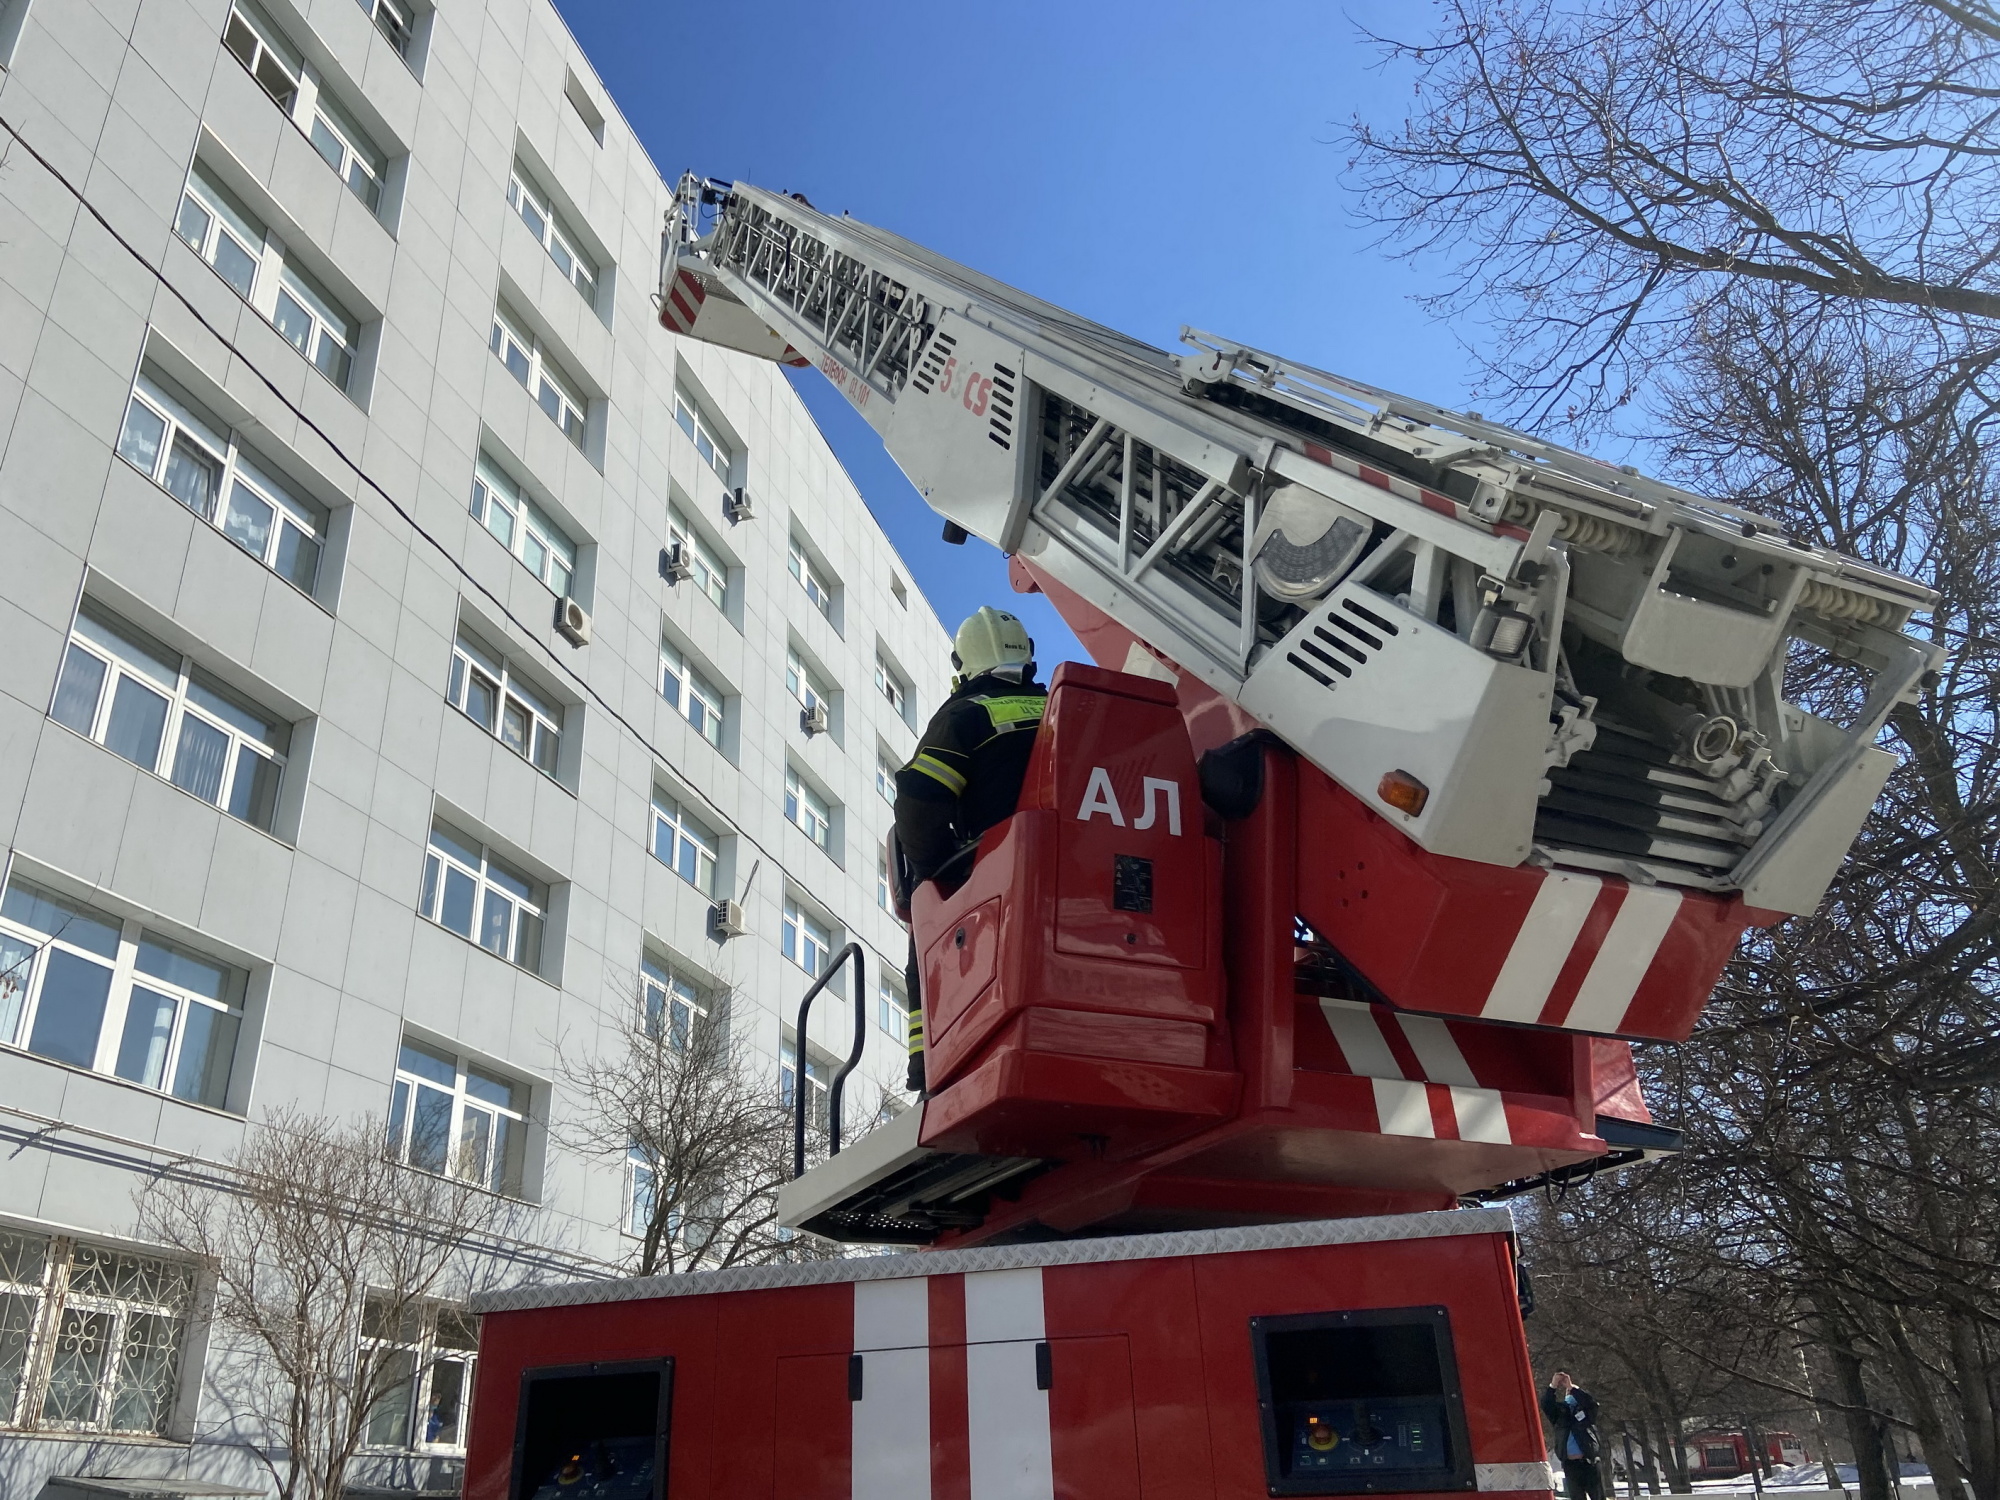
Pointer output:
x,y
121,96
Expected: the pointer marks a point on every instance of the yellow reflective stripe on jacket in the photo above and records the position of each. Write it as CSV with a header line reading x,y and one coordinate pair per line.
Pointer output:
x,y
1007,712
939,772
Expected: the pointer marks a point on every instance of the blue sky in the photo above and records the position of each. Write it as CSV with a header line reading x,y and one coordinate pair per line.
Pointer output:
x,y
1145,164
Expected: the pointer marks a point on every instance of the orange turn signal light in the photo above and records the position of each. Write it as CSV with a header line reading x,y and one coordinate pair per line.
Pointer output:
x,y
1403,792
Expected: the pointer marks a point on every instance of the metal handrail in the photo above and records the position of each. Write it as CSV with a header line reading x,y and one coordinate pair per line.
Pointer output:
x,y
801,1094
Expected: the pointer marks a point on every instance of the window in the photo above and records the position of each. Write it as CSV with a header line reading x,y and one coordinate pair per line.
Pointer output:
x,y
706,436
487,691
90,1338
152,706
804,685
218,229
586,108
396,21
808,942
819,1070
528,363
683,843
807,811
428,1352
892,1011
301,95
469,892
885,897
533,207
698,700
710,576
902,595
80,986
885,778
200,463
889,683
811,579
456,1118
642,1193
521,526
673,1001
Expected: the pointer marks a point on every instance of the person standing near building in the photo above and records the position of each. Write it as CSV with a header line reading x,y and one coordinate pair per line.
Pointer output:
x,y
1573,1412
966,775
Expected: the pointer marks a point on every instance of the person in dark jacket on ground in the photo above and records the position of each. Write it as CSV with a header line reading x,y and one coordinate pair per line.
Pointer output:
x,y
966,775
1573,1412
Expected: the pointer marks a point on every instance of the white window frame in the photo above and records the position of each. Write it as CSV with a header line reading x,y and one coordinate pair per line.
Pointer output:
x,y
715,451
498,888
195,714
819,1072
890,684
807,811
710,576
538,213
885,778
885,897
295,533
809,576
53,1288
396,20
671,1002
807,942
298,91
435,1337
525,358
693,696
283,294
684,842
485,1137
641,1186
484,686
42,929
803,685
502,506
892,1010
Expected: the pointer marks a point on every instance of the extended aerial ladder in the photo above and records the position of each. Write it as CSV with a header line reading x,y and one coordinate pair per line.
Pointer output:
x,y
1434,762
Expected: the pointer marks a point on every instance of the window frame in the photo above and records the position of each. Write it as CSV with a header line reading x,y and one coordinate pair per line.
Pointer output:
x,y
309,521
804,932
399,12
671,999
473,660
504,1142
809,576
693,695
892,1009
689,839
885,778
495,491
717,453
426,1352
523,196
891,685
805,687
26,946
885,895
309,109
819,1067
808,811
142,1286
708,569
541,376
182,709
525,938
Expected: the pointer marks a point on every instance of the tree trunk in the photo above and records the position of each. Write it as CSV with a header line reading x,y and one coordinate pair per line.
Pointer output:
x,y
1673,1454
1864,1430
1976,1404
1939,1451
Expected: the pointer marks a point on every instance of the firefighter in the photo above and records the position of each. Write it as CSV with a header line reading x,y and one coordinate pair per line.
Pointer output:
x,y
966,775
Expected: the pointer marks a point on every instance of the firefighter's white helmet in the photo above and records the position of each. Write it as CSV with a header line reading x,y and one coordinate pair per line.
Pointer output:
x,y
991,638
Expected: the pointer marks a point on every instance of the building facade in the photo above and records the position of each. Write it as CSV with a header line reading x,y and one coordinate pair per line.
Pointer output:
x,y
404,645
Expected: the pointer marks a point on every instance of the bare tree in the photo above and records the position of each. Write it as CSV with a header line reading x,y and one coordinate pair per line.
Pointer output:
x,y
703,1126
313,1239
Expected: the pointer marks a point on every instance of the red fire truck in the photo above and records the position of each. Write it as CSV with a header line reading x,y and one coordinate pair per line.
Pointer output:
x,y
1424,766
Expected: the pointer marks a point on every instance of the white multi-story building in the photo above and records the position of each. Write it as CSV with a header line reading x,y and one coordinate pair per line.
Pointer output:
x,y
403,644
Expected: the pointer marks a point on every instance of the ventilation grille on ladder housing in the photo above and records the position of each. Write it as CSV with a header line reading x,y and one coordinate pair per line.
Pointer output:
x,y
1000,424
934,362
1347,636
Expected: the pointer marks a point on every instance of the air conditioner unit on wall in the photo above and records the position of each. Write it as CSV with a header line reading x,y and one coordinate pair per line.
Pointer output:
x,y
726,920
573,621
813,720
736,505
674,564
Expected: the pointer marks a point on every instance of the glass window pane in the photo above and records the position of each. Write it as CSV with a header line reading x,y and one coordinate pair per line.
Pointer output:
x,y
528,942
247,522
474,1130
294,322
447,1400
253,796
143,1385
517,361
334,359
515,727
17,968
459,890
77,690
149,1031
237,263
428,1062
208,1049
389,1417
326,143
481,696
456,846
17,1324
399,1115
430,1130
298,557
277,82
70,1013
76,925
177,966
496,921
510,1139
138,715
214,702
501,1091
533,553
145,430
548,746
82,1349
200,758
508,881
192,475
